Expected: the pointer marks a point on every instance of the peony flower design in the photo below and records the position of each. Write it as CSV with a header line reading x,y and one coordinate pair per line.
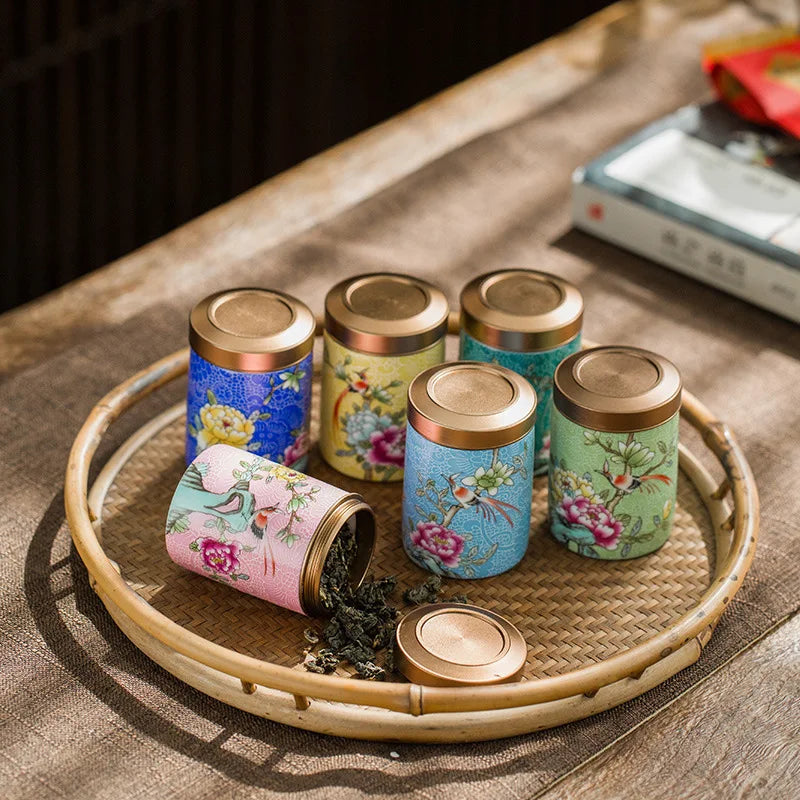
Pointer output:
x,y
283,473
565,482
297,449
442,543
223,425
220,557
595,517
387,447
359,427
490,480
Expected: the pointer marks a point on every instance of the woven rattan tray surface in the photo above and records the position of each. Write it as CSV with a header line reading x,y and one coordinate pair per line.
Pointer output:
x,y
598,632
571,610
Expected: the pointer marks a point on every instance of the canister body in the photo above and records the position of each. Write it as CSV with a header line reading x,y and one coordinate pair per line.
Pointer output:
x,y
251,523
466,513
266,413
363,408
538,367
612,495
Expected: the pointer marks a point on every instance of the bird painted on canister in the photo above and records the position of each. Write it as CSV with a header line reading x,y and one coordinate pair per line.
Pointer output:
x,y
627,482
258,525
488,506
358,386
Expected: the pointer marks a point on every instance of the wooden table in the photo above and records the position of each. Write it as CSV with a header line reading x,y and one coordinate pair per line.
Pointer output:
x,y
728,736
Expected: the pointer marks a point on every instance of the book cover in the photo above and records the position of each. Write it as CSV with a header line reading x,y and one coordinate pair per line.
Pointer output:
x,y
706,193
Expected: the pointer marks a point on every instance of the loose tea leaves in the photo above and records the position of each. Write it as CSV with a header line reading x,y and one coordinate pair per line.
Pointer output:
x,y
427,592
324,662
362,621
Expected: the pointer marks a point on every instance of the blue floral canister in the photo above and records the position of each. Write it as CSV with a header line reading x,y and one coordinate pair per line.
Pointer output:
x,y
529,322
469,469
614,456
250,375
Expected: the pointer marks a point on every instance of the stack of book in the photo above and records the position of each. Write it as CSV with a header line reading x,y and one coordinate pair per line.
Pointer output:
x,y
708,194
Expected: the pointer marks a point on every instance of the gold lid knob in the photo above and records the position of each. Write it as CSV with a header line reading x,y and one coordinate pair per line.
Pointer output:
x,y
450,644
617,389
251,330
471,406
521,310
386,314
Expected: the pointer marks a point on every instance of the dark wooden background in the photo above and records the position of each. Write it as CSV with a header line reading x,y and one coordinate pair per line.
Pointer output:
x,y
119,119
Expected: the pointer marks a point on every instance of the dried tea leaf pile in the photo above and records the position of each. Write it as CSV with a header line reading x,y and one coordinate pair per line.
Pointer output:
x,y
362,622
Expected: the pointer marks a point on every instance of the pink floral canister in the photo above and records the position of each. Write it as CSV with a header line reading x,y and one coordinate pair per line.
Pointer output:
x,y
262,527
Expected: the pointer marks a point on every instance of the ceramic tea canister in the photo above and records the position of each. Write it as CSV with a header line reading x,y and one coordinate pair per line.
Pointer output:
x,y
469,469
527,321
262,527
380,331
250,375
614,452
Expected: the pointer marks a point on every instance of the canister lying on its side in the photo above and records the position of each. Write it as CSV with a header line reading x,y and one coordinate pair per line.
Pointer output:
x,y
262,527
527,321
614,452
250,375
380,331
469,469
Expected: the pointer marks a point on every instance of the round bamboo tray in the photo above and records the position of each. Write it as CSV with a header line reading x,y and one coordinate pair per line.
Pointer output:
x,y
599,633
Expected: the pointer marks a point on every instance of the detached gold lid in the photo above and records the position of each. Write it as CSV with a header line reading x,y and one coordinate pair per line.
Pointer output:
x,y
451,644
521,310
386,314
617,389
251,330
470,405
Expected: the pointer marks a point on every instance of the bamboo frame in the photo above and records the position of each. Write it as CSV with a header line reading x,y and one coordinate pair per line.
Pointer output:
x,y
400,710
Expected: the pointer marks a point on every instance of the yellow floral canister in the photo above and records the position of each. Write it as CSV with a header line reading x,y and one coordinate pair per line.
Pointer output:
x,y
381,330
250,375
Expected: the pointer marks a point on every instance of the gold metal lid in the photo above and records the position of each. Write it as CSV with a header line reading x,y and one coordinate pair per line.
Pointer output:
x,y
386,314
617,389
251,330
350,509
470,405
451,644
521,310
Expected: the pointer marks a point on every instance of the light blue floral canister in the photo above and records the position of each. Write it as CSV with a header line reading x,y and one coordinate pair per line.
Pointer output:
x,y
614,454
250,375
527,321
469,469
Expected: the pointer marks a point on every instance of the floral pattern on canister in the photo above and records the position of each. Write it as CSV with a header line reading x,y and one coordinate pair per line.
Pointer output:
x,y
538,367
466,513
363,416
267,413
612,496
240,519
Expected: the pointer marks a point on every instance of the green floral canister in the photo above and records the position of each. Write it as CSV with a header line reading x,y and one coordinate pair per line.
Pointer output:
x,y
526,321
614,452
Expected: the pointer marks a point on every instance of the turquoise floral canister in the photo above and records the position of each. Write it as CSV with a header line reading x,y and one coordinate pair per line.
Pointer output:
x,y
614,452
469,469
250,375
527,321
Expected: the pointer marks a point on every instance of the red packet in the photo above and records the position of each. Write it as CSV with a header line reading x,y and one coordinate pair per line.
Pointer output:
x,y
758,76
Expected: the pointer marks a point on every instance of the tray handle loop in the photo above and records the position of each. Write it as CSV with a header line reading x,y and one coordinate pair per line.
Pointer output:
x,y
301,702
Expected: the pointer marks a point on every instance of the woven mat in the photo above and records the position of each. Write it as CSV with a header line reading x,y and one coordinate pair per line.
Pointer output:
x,y
572,611
84,713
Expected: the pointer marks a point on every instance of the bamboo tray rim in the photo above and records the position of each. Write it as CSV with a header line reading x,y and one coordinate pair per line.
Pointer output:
x,y
737,533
